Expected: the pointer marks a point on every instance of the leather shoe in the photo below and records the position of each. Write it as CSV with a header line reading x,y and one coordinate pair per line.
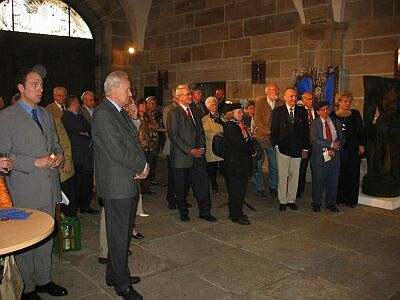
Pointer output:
x,y
52,289
30,296
242,221
293,206
138,236
282,207
89,211
171,206
134,279
333,208
184,218
316,208
102,260
209,218
130,294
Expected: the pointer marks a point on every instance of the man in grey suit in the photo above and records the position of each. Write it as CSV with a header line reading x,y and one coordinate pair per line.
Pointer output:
x,y
326,139
119,163
87,107
185,130
28,133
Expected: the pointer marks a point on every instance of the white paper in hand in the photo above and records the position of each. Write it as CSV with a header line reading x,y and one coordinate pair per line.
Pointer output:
x,y
64,199
326,156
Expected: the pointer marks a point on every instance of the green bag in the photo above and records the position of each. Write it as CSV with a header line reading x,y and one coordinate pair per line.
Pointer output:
x,y
70,235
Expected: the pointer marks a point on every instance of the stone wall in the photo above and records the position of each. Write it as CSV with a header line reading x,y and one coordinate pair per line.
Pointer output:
x,y
216,40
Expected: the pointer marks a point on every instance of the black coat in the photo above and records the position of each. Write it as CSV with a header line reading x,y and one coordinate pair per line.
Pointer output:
x,y
79,134
291,138
237,151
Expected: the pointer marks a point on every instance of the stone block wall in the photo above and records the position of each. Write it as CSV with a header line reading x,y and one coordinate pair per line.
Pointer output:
x,y
216,40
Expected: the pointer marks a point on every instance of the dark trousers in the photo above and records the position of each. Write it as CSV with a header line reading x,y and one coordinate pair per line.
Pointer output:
x,y
170,188
151,157
325,176
237,191
212,174
120,217
303,174
68,188
349,177
83,189
198,177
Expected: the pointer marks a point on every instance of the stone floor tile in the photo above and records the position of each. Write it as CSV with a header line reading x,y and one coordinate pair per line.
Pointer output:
x,y
75,282
99,296
292,251
143,263
178,284
303,286
285,221
238,271
186,247
376,277
239,235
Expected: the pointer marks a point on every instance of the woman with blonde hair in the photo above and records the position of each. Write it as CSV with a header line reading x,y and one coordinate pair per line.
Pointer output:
x,y
354,131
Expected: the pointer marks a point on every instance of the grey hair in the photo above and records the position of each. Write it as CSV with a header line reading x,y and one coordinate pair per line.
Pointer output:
x,y
61,88
210,100
149,98
179,88
114,80
86,93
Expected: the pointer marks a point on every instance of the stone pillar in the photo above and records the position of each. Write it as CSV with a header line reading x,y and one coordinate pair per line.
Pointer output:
x,y
321,44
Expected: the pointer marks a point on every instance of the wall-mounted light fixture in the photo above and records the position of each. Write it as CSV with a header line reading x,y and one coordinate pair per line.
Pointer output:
x,y
397,63
131,50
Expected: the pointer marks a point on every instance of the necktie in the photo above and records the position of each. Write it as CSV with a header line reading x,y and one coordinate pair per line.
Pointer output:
x,y
189,113
309,116
291,115
36,119
244,132
63,108
328,131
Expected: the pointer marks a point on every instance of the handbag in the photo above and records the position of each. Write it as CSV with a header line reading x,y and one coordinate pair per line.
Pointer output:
x,y
11,284
218,145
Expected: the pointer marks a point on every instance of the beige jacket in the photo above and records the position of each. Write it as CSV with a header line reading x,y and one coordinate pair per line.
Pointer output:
x,y
262,118
66,148
210,129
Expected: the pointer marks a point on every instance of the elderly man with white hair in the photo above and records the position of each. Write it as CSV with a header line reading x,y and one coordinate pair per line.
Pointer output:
x,y
212,125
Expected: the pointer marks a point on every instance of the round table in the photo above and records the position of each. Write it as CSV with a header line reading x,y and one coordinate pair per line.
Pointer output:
x,y
18,234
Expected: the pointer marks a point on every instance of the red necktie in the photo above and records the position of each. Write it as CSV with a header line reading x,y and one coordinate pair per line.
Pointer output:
x,y
189,113
244,132
309,116
328,131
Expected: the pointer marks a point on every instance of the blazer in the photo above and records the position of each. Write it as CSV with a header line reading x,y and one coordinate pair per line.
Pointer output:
x,y
29,186
118,155
262,118
184,136
211,128
237,152
167,145
66,148
318,142
55,110
79,133
292,139
84,112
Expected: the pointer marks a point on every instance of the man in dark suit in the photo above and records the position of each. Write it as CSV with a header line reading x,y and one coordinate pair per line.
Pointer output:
x,y
119,163
28,133
185,130
79,133
198,103
326,140
289,138
87,107
307,102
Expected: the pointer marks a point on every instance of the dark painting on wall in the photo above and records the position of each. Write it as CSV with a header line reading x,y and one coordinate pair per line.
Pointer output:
x,y
382,122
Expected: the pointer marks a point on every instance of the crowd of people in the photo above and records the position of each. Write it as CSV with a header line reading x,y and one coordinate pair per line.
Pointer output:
x,y
114,144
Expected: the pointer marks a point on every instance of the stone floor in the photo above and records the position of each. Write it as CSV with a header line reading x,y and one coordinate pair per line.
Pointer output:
x,y
353,254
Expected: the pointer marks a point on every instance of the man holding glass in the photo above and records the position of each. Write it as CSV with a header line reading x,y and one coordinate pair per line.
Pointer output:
x,y
28,134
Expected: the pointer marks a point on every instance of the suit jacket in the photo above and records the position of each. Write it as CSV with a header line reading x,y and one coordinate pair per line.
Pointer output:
x,y
117,153
79,133
211,128
84,112
55,110
200,109
29,186
237,152
184,136
318,142
262,118
66,148
167,145
291,138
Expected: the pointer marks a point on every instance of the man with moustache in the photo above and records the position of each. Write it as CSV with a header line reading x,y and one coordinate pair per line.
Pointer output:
x,y
119,163
28,133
